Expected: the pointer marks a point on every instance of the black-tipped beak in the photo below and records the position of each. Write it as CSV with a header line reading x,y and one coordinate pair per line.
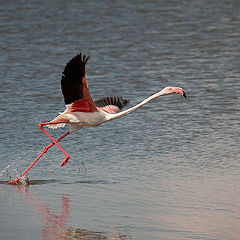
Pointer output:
x,y
184,94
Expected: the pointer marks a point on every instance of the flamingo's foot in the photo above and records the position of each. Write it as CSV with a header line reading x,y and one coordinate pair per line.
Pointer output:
x,y
64,162
15,181
20,181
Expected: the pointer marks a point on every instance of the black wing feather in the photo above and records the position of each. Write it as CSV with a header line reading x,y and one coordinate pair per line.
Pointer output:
x,y
116,101
71,82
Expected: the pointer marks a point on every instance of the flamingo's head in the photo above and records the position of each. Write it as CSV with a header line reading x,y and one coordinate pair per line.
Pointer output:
x,y
172,90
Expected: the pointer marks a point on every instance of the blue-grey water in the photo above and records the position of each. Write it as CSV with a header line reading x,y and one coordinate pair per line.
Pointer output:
x,y
168,171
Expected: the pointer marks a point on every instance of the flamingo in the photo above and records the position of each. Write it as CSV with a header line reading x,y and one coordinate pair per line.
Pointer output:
x,y
82,111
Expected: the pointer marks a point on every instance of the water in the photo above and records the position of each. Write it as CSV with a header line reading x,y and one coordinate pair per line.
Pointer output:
x,y
168,171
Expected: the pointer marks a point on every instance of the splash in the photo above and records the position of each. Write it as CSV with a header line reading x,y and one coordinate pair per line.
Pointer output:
x,y
6,171
24,181
11,171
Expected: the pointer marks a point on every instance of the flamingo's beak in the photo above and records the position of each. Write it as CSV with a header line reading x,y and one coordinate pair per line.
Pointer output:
x,y
184,94
180,91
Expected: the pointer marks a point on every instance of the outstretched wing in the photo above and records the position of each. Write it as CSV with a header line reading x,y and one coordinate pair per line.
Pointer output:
x,y
111,104
74,85
71,82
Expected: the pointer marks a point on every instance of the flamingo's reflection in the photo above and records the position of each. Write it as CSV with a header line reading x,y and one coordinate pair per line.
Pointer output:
x,y
55,225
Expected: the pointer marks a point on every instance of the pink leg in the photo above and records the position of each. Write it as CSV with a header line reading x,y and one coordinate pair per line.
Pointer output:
x,y
64,162
40,155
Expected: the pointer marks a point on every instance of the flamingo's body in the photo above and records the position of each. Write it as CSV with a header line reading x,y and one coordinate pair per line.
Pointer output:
x,y
81,110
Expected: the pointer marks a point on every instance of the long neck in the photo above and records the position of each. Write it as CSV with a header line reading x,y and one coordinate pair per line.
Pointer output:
x,y
132,109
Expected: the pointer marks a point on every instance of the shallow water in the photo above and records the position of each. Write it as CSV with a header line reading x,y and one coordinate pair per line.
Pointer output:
x,y
168,171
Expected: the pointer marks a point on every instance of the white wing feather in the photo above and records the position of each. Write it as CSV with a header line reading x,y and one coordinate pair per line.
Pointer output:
x,y
58,125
